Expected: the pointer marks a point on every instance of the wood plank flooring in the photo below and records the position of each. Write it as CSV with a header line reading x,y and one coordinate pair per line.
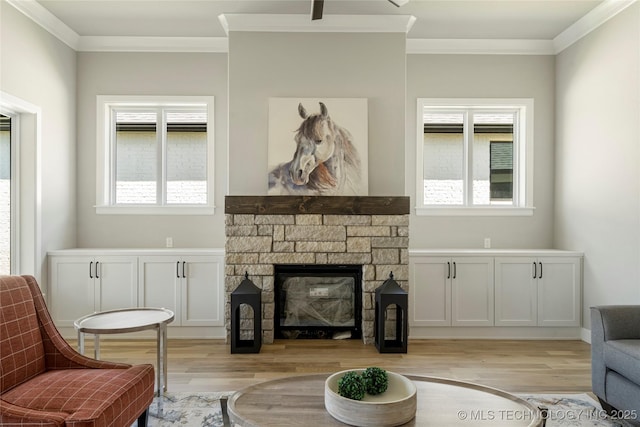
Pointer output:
x,y
514,366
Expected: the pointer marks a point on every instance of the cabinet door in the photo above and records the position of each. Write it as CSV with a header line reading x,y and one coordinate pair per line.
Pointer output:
x,y
516,291
430,299
559,292
72,291
472,292
202,291
159,284
116,279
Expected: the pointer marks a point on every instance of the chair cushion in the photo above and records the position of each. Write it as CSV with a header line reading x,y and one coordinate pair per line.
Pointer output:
x,y
623,356
21,349
90,397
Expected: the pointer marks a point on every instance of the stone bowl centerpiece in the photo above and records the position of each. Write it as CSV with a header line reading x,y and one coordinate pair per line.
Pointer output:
x,y
392,407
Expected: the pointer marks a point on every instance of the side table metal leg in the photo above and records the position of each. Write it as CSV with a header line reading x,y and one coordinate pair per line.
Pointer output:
x,y
160,360
164,356
161,368
80,343
96,349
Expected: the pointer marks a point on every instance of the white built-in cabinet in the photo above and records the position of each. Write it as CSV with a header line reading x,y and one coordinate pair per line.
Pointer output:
x,y
452,291
499,288
187,285
80,285
542,291
188,282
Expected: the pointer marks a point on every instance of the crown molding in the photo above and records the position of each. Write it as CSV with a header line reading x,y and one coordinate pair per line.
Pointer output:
x,y
41,16
153,44
589,22
480,47
329,23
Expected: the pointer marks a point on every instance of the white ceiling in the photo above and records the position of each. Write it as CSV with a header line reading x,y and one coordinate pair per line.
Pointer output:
x,y
443,19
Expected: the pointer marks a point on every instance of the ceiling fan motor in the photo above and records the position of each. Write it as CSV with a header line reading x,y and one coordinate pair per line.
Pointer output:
x,y
318,5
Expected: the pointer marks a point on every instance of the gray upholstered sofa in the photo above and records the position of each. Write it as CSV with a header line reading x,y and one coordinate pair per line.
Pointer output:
x,y
615,359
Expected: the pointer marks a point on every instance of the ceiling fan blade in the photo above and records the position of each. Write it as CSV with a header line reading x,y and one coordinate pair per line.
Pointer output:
x,y
398,3
316,9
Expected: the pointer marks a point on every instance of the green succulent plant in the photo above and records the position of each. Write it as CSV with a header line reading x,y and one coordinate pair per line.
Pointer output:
x,y
351,386
376,380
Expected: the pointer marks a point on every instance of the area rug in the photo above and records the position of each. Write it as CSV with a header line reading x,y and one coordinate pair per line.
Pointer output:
x,y
567,410
204,410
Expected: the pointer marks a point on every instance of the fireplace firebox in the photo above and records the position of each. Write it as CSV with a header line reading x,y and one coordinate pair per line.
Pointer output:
x,y
318,301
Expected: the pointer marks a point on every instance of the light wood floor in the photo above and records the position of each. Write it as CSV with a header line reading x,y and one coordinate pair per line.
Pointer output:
x,y
514,366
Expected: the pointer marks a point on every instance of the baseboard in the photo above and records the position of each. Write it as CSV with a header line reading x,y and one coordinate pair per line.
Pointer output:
x,y
585,335
499,333
182,332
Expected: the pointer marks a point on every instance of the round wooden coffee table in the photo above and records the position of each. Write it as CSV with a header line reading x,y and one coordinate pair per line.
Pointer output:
x,y
299,400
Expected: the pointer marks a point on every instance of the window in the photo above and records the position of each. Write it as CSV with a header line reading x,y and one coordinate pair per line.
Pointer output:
x,y
501,171
7,193
155,155
20,173
474,157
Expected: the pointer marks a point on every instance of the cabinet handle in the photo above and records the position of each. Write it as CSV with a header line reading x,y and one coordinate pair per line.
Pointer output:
x,y
540,277
448,270
184,274
91,270
97,262
455,270
178,269
535,270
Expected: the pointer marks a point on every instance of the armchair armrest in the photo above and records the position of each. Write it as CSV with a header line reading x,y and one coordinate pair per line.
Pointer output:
x,y
18,416
613,322
620,322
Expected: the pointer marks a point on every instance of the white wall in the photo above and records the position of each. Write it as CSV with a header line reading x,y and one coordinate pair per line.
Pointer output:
x,y
264,65
38,69
148,74
486,76
316,65
598,159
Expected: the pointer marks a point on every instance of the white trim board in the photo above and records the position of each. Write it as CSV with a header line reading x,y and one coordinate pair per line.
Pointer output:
x,y
495,333
331,23
30,181
328,24
47,20
153,44
589,22
480,47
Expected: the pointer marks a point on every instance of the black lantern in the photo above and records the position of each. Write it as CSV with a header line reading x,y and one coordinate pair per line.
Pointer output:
x,y
247,293
387,294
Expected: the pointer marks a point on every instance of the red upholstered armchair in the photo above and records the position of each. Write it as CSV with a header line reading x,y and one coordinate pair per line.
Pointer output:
x,y
45,382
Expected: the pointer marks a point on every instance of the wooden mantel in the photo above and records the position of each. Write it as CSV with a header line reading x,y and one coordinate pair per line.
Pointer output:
x,y
329,205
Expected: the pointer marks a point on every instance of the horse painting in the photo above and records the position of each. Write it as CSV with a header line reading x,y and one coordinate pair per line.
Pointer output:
x,y
325,161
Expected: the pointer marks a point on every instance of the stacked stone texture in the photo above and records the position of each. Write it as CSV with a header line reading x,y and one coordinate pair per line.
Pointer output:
x,y
255,243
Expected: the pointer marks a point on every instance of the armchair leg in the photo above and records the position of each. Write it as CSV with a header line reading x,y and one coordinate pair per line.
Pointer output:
x,y
143,419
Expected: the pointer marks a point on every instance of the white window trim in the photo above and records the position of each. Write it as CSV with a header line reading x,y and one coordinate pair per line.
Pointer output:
x,y
104,158
525,162
14,153
28,256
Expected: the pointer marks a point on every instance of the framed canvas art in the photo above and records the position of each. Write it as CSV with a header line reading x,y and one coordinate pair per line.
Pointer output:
x,y
318,146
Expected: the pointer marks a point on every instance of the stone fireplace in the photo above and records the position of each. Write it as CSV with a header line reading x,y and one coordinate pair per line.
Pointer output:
x,y
265,231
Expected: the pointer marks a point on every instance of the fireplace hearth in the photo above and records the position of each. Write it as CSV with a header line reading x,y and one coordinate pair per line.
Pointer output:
x,y
264,232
